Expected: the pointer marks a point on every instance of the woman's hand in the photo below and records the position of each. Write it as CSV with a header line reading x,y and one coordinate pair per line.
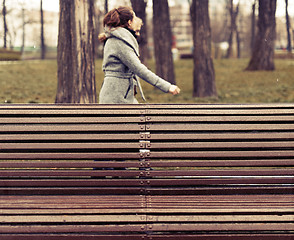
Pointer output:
x,y
174,89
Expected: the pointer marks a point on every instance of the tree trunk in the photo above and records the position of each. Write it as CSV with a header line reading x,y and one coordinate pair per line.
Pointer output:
x,y
263,54
4,25
76,51
253,27
204,75
139,7
162,36
234,34
43,47
106,6
288,26
23,30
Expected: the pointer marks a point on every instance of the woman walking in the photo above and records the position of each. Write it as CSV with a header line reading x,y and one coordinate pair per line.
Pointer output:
x,y
121,64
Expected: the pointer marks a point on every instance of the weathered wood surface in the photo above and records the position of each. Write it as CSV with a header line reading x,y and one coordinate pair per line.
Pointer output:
x,y
147,172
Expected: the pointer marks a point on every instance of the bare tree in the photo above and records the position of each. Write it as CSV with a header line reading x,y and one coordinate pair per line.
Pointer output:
x,y
4,12
204,75
43,46
139,7
162,36
288,27
26,19
106,6
263,53
234,34
76,52
24,22
253,26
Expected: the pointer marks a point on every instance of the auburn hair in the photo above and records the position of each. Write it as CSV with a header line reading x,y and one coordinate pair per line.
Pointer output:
x,y
117,17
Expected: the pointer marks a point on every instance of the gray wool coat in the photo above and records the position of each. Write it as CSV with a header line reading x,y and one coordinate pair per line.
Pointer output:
x,y
120,65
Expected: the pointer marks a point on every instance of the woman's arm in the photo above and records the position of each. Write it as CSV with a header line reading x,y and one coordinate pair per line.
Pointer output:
x,y
129,58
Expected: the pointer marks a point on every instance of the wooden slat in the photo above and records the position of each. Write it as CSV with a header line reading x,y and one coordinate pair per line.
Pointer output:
x,y
223,145
74,183
221,154
136,164
39,191
70,164
222,106
72,236
68,156
222,227
221,190
138,228
219,111
70,146
217,172
221,163
221,119
71,120
80,229
68,173
58,219
71,128
218,181
223,136
220,127
70,136
218,236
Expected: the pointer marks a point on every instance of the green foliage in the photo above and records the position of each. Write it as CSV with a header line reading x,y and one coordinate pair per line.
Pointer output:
x,y
36,82
9,55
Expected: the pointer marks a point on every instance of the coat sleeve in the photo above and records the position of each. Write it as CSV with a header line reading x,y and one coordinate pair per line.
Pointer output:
x,y
129,58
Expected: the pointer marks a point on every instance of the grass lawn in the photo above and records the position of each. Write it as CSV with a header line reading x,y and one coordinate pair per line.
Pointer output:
x,y
36,82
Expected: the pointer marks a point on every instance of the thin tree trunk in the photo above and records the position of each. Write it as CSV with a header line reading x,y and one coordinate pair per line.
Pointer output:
x,y
253,26
233,38
139,7
106,6
43,47
23,30
288,26
76,52
4,12
162,36
204,75
263,53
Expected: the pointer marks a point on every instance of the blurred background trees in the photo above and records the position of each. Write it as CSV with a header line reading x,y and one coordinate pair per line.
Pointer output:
x,y
234,31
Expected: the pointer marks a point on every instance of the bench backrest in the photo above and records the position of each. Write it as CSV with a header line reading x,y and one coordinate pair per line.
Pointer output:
x,y
146,149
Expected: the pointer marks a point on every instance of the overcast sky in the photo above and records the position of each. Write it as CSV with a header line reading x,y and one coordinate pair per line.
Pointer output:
x,y
53,5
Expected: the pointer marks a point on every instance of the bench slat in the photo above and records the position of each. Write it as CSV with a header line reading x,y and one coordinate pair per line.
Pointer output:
x,y
223,136
71,120
223,145
220,119
221,154
79,137
141,182
70,146
220,127
135,164
68,156
71,128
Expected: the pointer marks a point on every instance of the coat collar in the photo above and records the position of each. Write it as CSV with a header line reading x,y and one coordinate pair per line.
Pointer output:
x,y
125,35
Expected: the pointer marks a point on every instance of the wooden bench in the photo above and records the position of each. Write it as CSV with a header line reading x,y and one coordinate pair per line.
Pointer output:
x,y
207,172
